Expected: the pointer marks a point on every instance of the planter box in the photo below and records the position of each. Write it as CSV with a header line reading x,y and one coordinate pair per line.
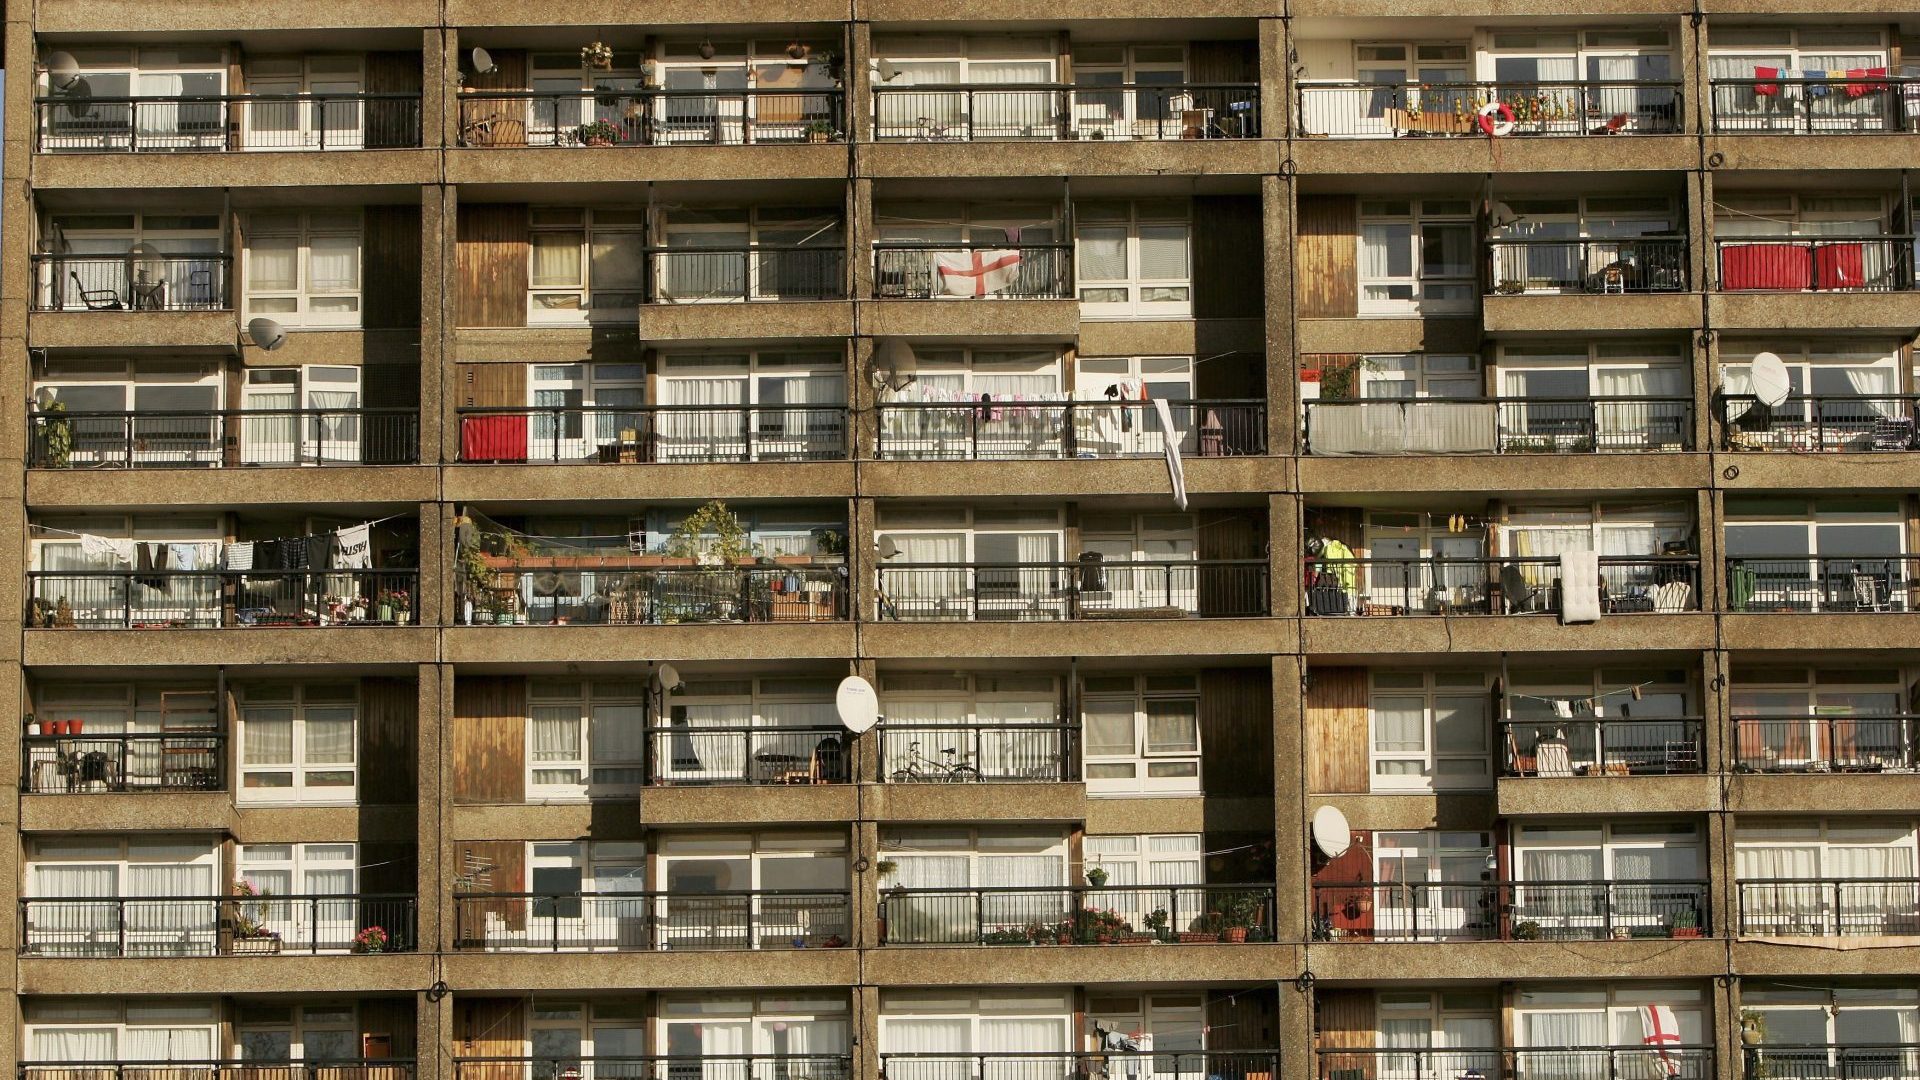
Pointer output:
x,y
255,946
1198,937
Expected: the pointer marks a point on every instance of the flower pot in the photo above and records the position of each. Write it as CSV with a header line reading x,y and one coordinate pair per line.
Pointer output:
x,y
75,727
256,946
597,142
33,728
1621,933
1234,935
816,136
383,613
1686,931
1198,937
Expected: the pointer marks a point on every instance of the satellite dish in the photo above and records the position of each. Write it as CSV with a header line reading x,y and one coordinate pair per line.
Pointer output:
x,y
62,69
79,98
669,677
886,548
45,397
1768,376
886,69
147,260
482,61
267,334
894,365
858,706
1331,834
1501,215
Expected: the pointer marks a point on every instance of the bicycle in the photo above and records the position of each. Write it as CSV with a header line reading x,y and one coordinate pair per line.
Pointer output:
x,y
921,768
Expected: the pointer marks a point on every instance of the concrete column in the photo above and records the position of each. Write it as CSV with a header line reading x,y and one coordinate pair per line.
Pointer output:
x,y
1276,79
859,84
1723,890
435,417
866,1031
1729,1052
433,1020
440,86
860,236
1695,104
1283,558
1291,870
435,1038
1705,350
1712,570
1283,376
1296,1029
1717,744
1702,268
862,560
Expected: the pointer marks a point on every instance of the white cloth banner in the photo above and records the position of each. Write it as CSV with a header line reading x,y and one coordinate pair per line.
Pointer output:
x,y
977,272
1171,437
355,552
1661,1032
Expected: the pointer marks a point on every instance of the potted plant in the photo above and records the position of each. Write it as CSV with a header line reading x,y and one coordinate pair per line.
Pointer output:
x,y
1240,912
597,133
1156,921
250,933
1205,929
56,436
1097,877
371,940
886,868
711,537
1526,930
1686,924
819,131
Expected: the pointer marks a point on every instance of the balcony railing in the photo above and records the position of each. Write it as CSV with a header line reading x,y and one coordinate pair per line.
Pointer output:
x,y
1830,423
1639,746
616,590
1510,911
213,122
322,1069
1781,106
689,754
1830,907
1632,264
1815,743
131,282
1015,430
1520,585
1815,263
1391,426
650,116
1069,1065
1394,110
930,753
123,762
1856,1061
1089,589
149,599
642,921
661,1067
222,438
610,434
1827,584
1557,1063
1055,112
768,272
1077,915
214,925
1008,270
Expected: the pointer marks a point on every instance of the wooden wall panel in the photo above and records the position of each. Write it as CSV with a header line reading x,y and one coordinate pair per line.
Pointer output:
x,y
503,385
1224,62
391,253
1347,524
482,867
491,258
489,739
1327,260
1337,730
1345,1019
1229,277
392,1018
1245,1020
1236,731
394,122
1231,534
496,121
389,759
1343,908
490,1027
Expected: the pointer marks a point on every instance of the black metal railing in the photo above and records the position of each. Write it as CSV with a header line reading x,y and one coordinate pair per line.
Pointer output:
x,y
1076,915
1007,270
651,116
1089,589
1510,911
82,762
934,753
613,591
1077,1065
1822,583
148,599
1830,907
314,1069
1393,110
660,1067
1820,422
1622,746
1826,743
1517,585
690,754
1816,106
1628,264
1055,112
58,439
1010,430
1558,1063
131,282
654,433
1407,911
1815,263
1393,426
694,274
619,922
211,122
216,925
1855,1061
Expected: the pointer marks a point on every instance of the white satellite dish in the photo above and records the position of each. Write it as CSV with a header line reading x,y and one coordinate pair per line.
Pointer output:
x,y
858,706
1768,378
1331,834
669,677
1501,215
887,70
45,397
147,260
894,367
886,548
62,69
267,334
482,61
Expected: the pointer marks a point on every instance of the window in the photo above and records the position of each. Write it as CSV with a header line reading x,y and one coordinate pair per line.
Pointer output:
x,y
1141,734
1134,259
303,269
1652,872
1177,1023
193,600
1007,727
1609,62
576,898
1143,113
583,407
329,430
1550,1018
906,262
267,1033
1420,375
1832,554
1594,243
108,389
587,265
298,743
713,98
93,248
1860,250
113,709
563,1033
758,730
1403,540
1459,904
1416,256
810,868
1869,865
1742,55
1413,78
1455,1031
585,738
964,1022
1015,556
183,72
107,1029
1145,875
957,377
1641,731
295,872
1828,368
67,871
717,254
1789,719
1629,395
1132,382
758,405
920,109
567,95
1429,730
1833,1028
939,865
1140,561
335,120
773,1025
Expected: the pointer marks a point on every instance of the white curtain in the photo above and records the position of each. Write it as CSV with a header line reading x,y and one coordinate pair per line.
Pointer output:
x,y
719,754
1546,1033
169,1044
931,918
269,737
53,924
556,739
918,1035
73,1044
1103,252
329,736
1018,1035
1875,383
1782,901
816,1037
1870,902
556,260
703,433
333,264
273,263
617,736
926,586
898,745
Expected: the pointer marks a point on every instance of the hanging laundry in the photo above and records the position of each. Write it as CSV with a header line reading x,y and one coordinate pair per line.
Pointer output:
x,y
1817,83
355,550
240,555
293,554
1768,88
96,548
184,556
151,560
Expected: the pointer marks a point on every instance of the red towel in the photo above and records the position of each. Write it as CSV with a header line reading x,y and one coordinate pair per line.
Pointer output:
x,y
1840,266
1766,89
493,438
1764,267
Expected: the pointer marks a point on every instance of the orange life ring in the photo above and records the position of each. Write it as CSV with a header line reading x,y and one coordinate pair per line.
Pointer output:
x,y
1491,127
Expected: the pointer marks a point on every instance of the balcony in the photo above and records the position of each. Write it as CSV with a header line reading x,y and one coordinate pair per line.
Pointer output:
x,y
1091,589
1382,911
1655,746
150,599
767,272
132,282
646,921
61,439
651,116
1519,585
1827,584
1036,753
74,762
1425,110
1820,423
1556,1063
1392,427
1057,112
689,754
1077,915
651,590
707,1066
1826,744
330,1069
1891,1061
1782,106
1815,264
1638,264
925,270
223,122
1067,1065
675,434
1830,907
1032,431
177,926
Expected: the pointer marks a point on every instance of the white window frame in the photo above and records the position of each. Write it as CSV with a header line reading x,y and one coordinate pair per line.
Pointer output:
x,y
141,67
970,1014
288,439
1784,1000
598,1028
763,1022
313,305
1416,214
1755,46
107,929
816,222
1810,910
1141,297
1439,376
588,697
297,1023
1093,111
1142,760
1134,865
933,62
1576,911
109,234
120,1018
305,125
1435,687
985,712
787,430
701,918
178,440
802,703
302,924
1816,516
298,704
551,121
1170,1024
575,303
1619,1004
1812,695
1015,593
